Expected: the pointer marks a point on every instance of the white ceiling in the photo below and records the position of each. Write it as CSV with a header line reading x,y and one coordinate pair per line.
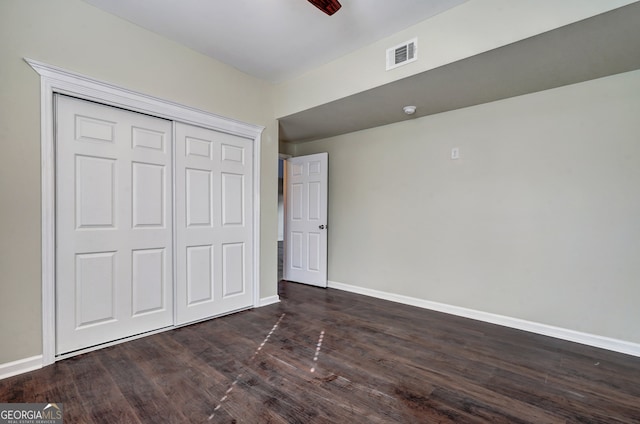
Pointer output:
x,y
274,40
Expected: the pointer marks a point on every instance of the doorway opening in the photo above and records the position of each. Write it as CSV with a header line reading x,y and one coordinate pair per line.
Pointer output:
x,y
281,167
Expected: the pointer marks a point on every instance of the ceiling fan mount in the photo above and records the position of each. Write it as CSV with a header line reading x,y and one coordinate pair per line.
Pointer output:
x,y
327,6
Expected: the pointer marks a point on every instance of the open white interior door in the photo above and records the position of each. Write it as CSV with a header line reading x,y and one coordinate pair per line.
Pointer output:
x,y
306,219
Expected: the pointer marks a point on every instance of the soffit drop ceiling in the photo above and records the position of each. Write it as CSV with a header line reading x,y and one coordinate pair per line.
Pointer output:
x,y
603,45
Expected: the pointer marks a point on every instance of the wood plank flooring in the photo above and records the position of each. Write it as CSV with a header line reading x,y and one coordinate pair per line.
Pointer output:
x,y
376,362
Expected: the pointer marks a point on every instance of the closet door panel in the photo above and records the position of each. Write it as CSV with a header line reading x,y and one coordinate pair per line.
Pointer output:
x,y
113,224
214,223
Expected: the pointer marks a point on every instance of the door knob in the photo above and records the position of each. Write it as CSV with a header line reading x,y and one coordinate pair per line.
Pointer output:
x,y
322,227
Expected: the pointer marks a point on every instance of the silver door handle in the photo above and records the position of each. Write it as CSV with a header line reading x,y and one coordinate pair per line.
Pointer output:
x,y
322,227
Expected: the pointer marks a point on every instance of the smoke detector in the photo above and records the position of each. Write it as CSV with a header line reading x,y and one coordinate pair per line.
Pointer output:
x,y
409,110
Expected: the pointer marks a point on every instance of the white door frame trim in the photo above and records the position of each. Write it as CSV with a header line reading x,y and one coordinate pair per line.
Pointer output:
x,y
57,80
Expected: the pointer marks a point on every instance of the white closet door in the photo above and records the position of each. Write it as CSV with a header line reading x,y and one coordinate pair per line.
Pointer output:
x,y
214,223
113,224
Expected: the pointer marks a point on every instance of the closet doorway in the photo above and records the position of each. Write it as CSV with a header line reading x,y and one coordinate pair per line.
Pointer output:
x,y
56,81
281,212
154,224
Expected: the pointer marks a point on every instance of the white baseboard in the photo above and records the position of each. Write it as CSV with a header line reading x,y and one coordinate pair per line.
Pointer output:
x,y
20,366
265,301
615,345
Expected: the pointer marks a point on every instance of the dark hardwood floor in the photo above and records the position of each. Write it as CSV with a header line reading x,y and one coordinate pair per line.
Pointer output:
x,y
376,362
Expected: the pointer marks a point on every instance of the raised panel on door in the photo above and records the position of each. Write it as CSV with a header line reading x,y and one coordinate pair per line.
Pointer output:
x,y
91,129
233,269
198,185
148,197
145,138
113,224
199,278
296,250
306,219
232,199
214,223
296,202
148,281
196,147
314,243
233,153
95,196
95,288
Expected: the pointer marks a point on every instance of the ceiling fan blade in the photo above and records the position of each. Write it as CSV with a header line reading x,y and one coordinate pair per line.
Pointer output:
x,y
327,6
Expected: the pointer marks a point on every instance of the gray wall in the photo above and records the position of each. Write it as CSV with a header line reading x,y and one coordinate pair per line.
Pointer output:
x,y
539,219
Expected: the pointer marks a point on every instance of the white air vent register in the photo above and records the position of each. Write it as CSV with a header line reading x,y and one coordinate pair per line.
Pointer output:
x,y
402,54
